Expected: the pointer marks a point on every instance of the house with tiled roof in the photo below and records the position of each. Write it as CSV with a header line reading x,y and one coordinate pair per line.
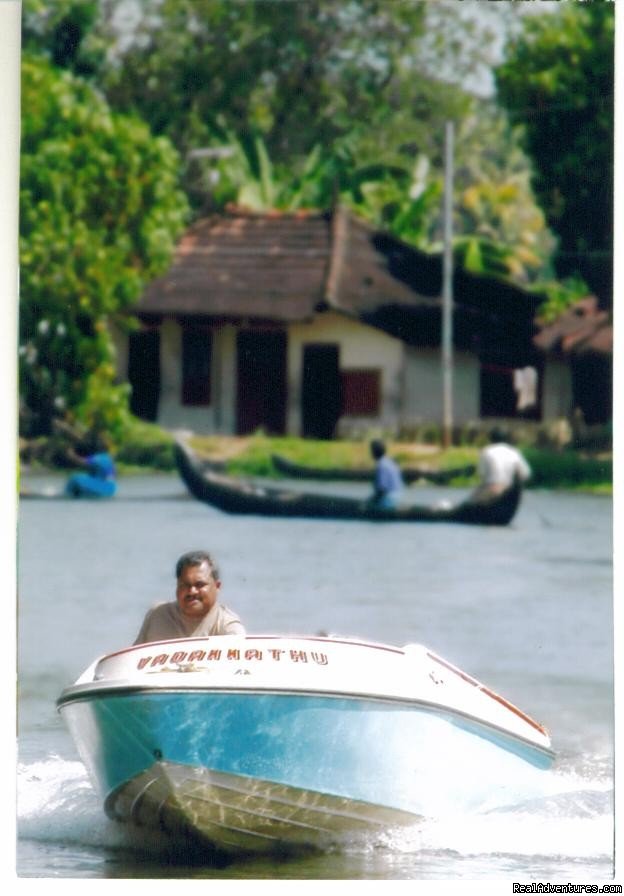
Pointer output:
x,y
316,324
582,337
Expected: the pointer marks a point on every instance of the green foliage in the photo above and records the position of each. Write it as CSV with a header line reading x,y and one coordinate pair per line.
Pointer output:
x,y
64,31
315,93
559,295
256,457
145,445
551,468
104,406
567,469
483,257
99,213
284,69
557,84
295,104
390,196
397,199
245,174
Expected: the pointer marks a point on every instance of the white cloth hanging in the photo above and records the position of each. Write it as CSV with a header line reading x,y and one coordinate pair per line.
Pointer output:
x,y
525,386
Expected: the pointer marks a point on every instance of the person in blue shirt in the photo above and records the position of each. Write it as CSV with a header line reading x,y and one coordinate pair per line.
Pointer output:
x,y
387,482
98,480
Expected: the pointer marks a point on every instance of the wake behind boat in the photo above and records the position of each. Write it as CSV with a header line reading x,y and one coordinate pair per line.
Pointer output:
x,y
87,490
409,474
239,496
45,493
264,744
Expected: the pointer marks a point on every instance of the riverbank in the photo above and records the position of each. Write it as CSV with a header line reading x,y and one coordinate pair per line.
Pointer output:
x,y
252,456
151,449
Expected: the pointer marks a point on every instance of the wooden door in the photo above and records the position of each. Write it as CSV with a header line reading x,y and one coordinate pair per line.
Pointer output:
x,y
144,373
261,376
320,390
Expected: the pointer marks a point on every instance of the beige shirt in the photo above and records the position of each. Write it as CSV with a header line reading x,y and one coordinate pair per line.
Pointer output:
x,y
166,621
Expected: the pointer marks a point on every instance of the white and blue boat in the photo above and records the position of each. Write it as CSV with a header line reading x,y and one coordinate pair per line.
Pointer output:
x,y
262,744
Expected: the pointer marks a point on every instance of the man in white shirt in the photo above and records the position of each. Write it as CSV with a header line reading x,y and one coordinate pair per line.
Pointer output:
x,y
196,612
499,464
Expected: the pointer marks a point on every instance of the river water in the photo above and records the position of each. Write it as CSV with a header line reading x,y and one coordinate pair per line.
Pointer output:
x,y
527,609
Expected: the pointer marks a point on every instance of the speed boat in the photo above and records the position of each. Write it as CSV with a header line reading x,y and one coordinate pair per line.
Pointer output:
x,y
266,744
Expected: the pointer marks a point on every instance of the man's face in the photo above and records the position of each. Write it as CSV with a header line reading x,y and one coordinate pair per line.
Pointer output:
x,y
197,590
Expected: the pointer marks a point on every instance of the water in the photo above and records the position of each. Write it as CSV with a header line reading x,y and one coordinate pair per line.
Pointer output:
x,y
527,609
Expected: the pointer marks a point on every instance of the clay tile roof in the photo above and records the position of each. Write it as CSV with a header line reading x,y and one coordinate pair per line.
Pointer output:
x,y
582,328
244,264
280,266
362,277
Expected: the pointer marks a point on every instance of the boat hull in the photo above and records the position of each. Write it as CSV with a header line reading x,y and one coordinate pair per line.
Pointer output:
x,y
240,814
262,770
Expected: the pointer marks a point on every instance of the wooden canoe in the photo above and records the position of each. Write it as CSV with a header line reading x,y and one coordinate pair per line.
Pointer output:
x,y
410,474
244,497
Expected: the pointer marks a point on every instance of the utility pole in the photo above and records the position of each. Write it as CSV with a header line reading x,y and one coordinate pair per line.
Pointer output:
x,y
447,292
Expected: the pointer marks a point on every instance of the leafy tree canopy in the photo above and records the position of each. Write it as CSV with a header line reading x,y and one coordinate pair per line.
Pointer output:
x,y
66,32
557,83
99,213
302,103
298,73
291,104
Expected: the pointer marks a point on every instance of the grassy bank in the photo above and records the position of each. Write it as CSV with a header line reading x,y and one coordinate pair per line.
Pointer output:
x,y
570,470
251,456
148,447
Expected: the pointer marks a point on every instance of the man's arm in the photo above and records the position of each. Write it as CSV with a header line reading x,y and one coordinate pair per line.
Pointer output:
x,y
229,623
143,636
523,469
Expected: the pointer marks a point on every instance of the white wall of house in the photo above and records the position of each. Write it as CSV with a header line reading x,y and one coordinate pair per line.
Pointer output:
x,y
411,378
220,414
557,398
360,347
172,414
424,392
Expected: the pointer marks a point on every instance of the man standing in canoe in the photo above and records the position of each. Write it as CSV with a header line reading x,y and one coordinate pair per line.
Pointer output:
x,y
499,464
387,482
196,611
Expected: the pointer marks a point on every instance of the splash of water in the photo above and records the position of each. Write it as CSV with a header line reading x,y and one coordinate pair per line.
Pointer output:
x,y
573,818
55,802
